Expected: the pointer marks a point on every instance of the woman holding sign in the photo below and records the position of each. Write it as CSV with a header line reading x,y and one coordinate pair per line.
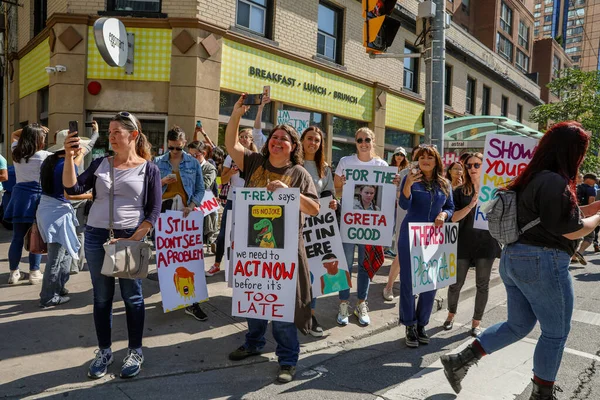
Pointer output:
x,y
427,197
314,163
137,199
365,156
535,269
476,247
278,165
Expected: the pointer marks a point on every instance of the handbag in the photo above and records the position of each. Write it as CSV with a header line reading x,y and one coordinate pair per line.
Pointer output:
x,y
124,258
34,242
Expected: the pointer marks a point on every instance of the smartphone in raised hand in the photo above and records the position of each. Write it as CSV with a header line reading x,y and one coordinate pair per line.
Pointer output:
x,y
253,99
73,127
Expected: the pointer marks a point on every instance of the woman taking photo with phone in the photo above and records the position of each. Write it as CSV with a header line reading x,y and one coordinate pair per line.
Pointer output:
x,y
277,166
476,247
137,200
535,269
427,197
28,155
365,156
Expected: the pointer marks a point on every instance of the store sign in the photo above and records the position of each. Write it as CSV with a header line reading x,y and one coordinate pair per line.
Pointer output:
x,y
274,77
111,41
299,120
466,144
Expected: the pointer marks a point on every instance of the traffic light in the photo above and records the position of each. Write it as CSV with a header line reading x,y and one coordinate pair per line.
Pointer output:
x,y
379,28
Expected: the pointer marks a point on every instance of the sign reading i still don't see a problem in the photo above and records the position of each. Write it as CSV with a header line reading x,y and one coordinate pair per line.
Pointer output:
x,y
265,253
504,158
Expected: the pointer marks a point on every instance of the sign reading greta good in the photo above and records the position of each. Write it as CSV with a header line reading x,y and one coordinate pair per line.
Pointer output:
x,y
111,40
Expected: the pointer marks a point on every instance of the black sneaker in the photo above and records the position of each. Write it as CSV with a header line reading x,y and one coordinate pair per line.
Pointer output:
x,y
64,291
195,311
315,328
243,352
422,336
411,336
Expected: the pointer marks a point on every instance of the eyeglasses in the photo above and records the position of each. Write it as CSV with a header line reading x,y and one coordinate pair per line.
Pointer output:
x,y
129,117
366,140
476,166
171,148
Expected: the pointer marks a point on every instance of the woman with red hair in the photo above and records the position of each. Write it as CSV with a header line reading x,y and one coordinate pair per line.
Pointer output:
x,y
535,269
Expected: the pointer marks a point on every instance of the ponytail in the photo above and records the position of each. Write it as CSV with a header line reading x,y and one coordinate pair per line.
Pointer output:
x,y
142,147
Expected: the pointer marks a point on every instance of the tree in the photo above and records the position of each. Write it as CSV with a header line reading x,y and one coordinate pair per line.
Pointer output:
x,y
579,94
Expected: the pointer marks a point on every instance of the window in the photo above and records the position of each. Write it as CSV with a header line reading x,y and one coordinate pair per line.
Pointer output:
x,y
547,28
504,48
448,85
486,96
556,67
547,18
316,118
329,33
506,18
548,10
411,70
519,113
538,6
252,15
343,138
40,14
470,100
522,62
573,49
504,106
395,138
146,6
523,35
44,100
575,39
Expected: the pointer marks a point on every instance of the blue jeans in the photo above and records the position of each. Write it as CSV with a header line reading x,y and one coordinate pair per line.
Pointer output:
x,y
16,248
363,279
285,334
410,316
56,273
104,291
221,236
538,288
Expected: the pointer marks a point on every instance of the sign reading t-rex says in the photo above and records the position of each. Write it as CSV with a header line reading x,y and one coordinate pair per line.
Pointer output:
x,y
265,255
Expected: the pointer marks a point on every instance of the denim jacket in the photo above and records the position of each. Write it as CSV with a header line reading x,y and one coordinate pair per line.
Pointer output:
x,y
424,205
191,176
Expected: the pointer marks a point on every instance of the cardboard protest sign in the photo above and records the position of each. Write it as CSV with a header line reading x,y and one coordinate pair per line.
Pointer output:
x,y
180,259
504,158
265,254
432,255
210,204
300,120
374,186
324,251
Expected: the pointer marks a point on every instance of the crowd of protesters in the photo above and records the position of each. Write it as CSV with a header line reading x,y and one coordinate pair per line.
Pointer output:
x,y
69,203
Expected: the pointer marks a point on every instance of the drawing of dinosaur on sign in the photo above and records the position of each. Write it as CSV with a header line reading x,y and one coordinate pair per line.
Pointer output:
x,y
265,235
266,226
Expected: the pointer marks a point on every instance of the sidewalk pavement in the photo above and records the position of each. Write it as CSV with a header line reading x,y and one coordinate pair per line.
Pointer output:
x,y
48,350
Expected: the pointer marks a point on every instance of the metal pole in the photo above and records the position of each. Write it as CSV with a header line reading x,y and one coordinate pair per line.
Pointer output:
x,y
438,62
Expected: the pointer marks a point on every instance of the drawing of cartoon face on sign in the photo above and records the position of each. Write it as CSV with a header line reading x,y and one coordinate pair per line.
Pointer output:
x,y
184,282
266,227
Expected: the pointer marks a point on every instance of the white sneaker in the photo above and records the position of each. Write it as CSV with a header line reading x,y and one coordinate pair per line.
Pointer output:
x,y
388,294
361,312
35,277
14,277
343,313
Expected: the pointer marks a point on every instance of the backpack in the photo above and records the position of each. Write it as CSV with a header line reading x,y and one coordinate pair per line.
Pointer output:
x,y
501,215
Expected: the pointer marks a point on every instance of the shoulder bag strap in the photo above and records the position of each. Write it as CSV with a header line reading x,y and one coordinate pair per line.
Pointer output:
x,y
111,198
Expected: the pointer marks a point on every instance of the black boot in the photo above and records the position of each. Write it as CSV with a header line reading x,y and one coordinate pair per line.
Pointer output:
x,y
422,335
543,392
457,365
411,338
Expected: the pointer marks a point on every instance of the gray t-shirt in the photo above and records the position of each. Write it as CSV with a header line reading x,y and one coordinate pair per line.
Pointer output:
x,y
322,184
129,197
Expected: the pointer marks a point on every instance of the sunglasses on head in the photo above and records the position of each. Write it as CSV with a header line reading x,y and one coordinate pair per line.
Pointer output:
x,y
475,165
172,148
366,140
129,117
428,146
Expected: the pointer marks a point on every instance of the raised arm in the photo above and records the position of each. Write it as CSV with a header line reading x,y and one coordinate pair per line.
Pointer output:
x,y
232,143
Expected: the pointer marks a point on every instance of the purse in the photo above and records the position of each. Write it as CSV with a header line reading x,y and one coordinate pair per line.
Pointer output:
x,y
127,259
34,242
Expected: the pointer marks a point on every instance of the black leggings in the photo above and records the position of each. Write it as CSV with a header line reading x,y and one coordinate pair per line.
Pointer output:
x,y
483,271
221,237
